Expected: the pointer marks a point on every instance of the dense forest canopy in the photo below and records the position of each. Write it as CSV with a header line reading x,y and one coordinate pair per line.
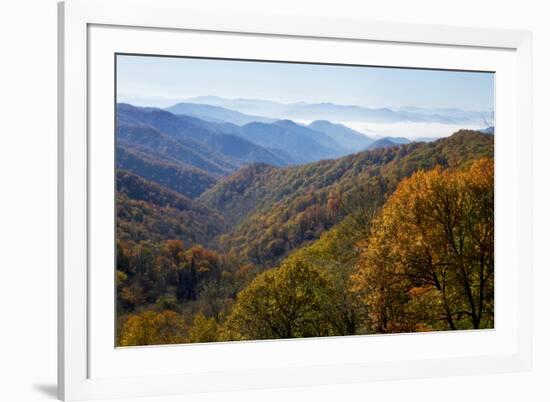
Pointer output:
x,y
226,235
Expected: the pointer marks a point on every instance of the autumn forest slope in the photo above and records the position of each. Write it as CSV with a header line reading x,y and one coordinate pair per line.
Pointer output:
x,y
275,210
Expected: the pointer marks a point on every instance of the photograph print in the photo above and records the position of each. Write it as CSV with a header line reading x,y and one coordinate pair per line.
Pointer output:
x,y
272,200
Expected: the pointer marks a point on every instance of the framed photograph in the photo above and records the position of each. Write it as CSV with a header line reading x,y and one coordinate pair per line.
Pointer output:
x,y
252,201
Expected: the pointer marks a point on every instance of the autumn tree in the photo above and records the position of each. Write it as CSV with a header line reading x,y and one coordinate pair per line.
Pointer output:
x,y
203,329
293,301
152,328
429,261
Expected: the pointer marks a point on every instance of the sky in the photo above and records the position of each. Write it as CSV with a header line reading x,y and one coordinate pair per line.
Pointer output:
x,y
161,81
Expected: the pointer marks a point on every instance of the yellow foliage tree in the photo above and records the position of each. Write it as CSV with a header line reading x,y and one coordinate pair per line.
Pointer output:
x,y
152,328
203,329
293,301
428,263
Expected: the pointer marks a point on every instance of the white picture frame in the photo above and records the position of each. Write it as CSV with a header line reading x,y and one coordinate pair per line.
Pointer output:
x,y
87,25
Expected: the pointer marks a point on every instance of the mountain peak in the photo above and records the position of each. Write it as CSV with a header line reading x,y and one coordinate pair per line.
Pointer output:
x,y
286,123
383,143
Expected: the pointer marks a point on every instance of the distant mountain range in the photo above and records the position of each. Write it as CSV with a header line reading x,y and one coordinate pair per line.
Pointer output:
x,y
187,154
215,113
209,143
219,147
349,140
300,143
346,113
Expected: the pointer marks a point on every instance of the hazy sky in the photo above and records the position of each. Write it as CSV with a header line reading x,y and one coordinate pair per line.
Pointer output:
x,y
161,80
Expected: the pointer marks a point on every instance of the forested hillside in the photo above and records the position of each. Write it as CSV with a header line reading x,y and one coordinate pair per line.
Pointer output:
x,y
277,210
149,212
180,177
219,226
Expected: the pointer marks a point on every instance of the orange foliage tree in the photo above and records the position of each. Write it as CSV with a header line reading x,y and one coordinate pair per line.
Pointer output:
x,y
429,261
